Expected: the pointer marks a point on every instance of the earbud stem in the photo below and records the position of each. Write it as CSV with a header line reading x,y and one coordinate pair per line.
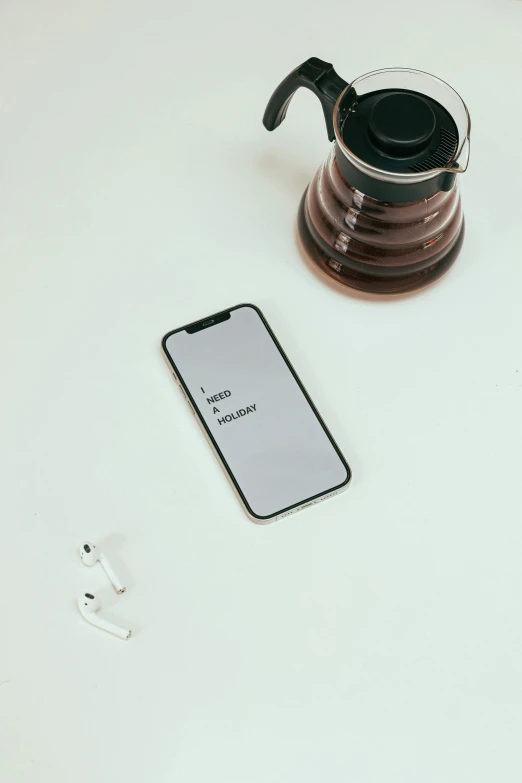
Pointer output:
x,y
105,625
111,573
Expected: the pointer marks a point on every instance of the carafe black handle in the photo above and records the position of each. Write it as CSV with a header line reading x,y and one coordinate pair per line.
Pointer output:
x,y
318,76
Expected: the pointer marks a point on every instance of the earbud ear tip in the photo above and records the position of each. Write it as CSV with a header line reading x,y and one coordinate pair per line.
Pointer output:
x,y
87,553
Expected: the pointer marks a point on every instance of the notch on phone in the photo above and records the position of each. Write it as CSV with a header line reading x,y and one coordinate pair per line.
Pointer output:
x,y
206,322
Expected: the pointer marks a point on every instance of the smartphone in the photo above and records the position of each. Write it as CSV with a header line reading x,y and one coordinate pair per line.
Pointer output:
x,y
256,413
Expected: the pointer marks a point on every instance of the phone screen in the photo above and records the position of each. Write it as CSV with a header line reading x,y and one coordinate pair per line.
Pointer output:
x,y
270,437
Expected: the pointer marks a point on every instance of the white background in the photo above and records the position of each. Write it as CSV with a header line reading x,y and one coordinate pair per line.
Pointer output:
x,y
375,638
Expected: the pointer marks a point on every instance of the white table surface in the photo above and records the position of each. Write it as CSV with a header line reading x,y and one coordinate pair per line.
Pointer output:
x,y
373,638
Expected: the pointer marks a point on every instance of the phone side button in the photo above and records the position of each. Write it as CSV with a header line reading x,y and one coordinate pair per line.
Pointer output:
x,y
189,403
182,390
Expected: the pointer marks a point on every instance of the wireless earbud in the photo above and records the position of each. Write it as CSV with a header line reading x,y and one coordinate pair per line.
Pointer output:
x,y
89,607
90,555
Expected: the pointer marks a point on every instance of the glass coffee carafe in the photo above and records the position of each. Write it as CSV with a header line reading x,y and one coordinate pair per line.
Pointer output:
x,y
383,213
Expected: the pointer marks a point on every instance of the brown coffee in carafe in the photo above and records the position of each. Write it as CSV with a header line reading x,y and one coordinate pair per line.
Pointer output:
x,y
383,214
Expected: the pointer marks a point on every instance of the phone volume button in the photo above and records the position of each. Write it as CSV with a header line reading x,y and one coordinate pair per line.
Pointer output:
x,y
187,399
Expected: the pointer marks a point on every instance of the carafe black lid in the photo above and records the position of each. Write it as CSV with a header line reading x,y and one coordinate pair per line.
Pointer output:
x,y
399,131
